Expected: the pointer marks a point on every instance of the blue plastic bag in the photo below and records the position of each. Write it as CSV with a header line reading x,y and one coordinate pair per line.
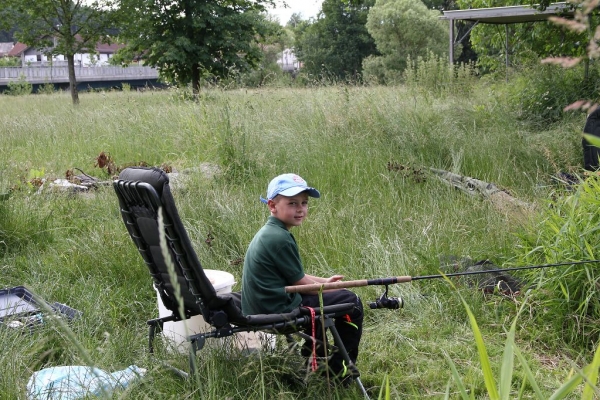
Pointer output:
x,y
76,382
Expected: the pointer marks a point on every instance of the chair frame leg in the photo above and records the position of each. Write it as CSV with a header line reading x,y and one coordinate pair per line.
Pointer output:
x,y
151,334
196,343
154,326
342,349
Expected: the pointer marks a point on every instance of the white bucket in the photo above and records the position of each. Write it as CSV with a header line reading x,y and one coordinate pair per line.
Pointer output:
x,y
177,332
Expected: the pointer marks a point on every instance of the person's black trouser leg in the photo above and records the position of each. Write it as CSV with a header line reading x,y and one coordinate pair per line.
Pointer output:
x,y
349,326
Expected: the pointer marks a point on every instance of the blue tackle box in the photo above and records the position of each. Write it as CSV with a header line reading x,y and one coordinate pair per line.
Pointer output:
x,y
19,308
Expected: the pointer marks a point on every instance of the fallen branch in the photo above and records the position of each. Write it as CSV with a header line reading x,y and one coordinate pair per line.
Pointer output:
x,y
475,187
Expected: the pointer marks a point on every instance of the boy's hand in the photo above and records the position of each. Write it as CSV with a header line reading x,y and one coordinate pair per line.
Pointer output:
x,y
334,278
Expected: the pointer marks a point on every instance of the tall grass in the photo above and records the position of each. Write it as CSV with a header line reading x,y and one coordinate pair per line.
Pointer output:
x,y
504,389
568,231
436,73
373,220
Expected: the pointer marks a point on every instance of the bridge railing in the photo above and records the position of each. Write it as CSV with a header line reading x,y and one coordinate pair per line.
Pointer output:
x,y
61,74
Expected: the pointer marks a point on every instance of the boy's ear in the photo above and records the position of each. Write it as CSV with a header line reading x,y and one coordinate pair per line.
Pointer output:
x,y
271,204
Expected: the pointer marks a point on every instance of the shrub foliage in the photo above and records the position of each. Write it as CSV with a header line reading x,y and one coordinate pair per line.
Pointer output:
x,y
568,231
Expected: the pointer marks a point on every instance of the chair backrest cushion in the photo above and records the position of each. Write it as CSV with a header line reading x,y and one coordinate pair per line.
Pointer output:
x,y
142,193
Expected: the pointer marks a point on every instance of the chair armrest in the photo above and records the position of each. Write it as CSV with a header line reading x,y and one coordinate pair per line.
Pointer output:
x,y
334,310
261,319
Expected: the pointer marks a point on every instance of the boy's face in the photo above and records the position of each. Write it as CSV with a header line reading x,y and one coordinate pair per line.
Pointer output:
x,y
290,210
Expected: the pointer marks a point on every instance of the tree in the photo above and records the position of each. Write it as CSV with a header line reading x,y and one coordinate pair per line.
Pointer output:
x,y
273,40
440,4
6,36
297,26
294,20
191,39
57,27
527,41
271,43
337,42
403,30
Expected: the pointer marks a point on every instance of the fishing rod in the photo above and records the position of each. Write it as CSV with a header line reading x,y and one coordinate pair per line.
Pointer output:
x,y
392,302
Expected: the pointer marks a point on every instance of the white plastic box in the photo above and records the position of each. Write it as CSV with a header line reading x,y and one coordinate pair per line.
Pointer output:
x,y
177,332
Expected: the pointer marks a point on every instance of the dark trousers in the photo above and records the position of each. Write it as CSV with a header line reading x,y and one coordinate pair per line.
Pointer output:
x,y
349,327
591,154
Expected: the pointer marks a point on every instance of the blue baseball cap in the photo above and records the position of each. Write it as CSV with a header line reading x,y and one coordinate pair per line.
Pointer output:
x,y
288,185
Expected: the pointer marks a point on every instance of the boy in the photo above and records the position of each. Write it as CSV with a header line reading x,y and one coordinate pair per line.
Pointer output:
x,y
273,262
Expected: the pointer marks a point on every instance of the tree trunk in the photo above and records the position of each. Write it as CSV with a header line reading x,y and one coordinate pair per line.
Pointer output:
x,y
196,82
72,79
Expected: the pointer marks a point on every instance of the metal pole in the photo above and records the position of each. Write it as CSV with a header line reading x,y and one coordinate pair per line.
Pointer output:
x,y
451,21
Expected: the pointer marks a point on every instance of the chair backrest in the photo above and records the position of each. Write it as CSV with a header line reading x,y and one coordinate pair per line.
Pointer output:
x,y
143,193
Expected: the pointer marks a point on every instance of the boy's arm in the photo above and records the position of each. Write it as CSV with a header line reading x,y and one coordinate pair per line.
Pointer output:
x,y
309,279
318,279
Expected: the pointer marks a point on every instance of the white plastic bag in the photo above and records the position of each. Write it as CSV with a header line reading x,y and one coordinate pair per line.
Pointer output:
x,y
76,382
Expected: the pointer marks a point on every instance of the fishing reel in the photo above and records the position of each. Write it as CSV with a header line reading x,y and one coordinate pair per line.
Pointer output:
x,y
392,303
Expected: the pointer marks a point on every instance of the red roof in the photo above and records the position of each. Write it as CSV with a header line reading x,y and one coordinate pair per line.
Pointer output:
x,y
108,48
18,49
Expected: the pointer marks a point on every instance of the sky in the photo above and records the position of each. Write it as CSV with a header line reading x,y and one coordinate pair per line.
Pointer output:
x,y
308,8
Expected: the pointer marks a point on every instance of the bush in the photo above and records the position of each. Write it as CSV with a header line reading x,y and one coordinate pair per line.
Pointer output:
x,y
46,88
540,93
20,87
270,75
10,61
374,70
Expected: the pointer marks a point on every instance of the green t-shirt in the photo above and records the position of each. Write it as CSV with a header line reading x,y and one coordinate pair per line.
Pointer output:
x,y
271,263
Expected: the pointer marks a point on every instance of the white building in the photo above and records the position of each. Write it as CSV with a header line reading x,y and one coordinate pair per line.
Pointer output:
x,y
288,62
30,56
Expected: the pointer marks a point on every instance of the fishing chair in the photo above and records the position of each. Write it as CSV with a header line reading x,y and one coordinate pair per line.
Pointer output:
x,y
144,193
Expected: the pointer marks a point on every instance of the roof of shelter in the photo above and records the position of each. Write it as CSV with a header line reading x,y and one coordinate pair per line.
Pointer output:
x,y
509,14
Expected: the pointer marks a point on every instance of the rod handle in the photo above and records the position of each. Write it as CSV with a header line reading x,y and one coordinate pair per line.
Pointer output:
x,y
315,287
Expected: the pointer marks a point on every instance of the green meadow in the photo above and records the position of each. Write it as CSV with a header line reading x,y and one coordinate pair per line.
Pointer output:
x,y
382,213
